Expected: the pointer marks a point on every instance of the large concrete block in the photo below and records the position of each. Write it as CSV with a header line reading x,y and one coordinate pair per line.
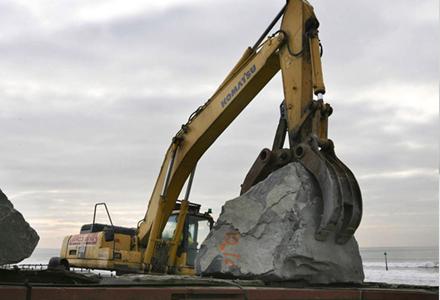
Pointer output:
x,y
268,233
17,238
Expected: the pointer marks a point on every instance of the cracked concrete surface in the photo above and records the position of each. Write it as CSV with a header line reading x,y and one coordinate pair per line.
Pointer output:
x,y
268,234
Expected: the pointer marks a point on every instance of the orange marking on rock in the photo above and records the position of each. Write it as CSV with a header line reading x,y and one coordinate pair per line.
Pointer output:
x,y
229,262
232,254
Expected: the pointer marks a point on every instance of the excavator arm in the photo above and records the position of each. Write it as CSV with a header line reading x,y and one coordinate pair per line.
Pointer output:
x,y
294,50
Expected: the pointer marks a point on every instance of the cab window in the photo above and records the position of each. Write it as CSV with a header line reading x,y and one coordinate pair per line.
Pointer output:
x,y
170,227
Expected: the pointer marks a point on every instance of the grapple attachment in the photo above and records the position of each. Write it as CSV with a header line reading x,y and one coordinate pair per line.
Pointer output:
x,y
341,196
342,200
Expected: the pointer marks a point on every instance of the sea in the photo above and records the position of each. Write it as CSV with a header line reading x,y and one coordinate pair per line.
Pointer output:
x,y
406,265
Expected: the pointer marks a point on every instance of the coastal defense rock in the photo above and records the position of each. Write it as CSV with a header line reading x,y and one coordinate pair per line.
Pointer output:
x,y
268,234
17,238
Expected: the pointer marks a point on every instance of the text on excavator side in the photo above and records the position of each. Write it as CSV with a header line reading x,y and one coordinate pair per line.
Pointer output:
x,y
246,76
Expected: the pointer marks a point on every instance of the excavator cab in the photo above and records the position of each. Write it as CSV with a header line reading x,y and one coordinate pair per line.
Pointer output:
x,y
195,229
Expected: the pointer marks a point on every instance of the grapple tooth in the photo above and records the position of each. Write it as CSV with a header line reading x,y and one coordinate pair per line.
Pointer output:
x,y
316,163
266,162
259,170
352,213
342,201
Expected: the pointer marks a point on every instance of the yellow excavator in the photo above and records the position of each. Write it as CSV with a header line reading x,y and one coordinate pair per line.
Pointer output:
x,y
167,239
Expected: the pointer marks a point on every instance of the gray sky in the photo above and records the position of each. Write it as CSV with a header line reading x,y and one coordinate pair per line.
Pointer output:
x,y
91,93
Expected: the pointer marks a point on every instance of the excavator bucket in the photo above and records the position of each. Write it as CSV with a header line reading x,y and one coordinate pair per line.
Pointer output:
x,y
341,196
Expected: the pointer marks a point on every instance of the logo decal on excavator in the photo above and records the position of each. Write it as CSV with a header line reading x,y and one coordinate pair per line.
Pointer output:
x,y
246,76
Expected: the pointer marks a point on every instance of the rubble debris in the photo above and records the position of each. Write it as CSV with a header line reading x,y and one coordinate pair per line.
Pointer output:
x,y
18,238
268,234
